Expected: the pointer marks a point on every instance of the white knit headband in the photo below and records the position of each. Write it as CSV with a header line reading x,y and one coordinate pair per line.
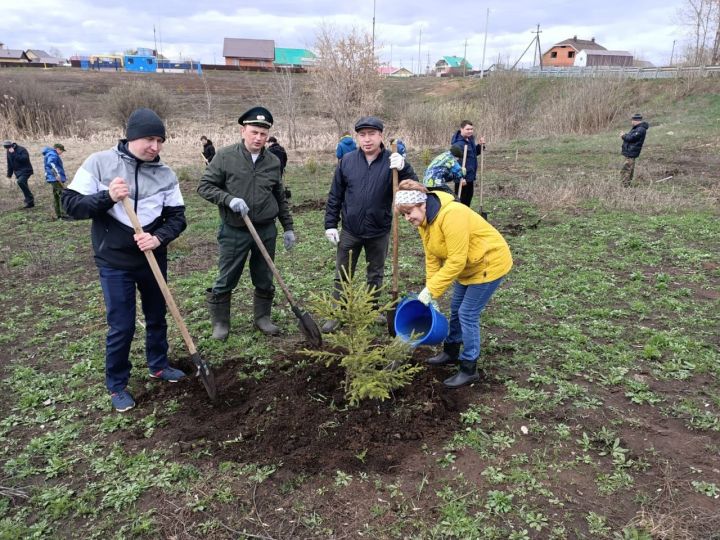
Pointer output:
x,y
407,196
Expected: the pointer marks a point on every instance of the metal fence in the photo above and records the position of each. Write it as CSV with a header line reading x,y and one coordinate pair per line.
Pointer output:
x,y
624,72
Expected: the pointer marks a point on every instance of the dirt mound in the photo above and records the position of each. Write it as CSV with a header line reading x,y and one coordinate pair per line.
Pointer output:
x,y
298,417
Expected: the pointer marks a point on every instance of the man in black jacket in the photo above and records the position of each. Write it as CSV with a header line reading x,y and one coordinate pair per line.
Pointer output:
x,y
274,147
244,181
208,150
18,163
632,145
361,196
133,170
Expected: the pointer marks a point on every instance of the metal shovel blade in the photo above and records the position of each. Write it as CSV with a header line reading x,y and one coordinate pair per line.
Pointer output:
x,y
308,327
206,376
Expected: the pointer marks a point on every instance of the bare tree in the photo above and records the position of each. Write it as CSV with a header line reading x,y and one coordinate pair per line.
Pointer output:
x,y
286,92
702,18
345,76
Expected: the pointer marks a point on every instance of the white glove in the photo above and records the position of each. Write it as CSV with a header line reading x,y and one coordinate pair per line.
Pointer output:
x,y
396,161
425,297
238,205
333,236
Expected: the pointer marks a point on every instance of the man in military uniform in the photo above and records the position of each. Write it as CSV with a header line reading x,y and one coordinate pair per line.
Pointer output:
x,y
244,179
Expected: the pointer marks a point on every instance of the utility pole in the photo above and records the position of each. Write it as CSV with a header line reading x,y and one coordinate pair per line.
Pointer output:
x,y
537,48
391,55
465,59
482,66
373,31
427,68
672,53
419,71
155,39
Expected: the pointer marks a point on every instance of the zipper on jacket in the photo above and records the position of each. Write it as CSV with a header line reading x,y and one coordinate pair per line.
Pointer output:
x,y
137,191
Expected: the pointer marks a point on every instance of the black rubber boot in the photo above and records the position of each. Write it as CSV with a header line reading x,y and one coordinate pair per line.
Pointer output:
x,y
449,355
262,305
219,308
467,374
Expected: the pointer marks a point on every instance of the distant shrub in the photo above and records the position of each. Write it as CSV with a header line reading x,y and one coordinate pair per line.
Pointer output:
x,y
31,110
311,166
122,100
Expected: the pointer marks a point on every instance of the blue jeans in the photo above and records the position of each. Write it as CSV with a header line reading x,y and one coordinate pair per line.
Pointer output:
x,y
118,288
466,306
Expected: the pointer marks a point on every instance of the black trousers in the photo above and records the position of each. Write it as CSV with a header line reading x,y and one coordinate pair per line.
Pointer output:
x,y
467,192
376,250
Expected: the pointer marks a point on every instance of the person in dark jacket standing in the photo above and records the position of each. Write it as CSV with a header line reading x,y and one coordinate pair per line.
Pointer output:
x,y
208,150
345,145
18,163
55,175
131,170
244,180
631,147
274,146
465,136
361,196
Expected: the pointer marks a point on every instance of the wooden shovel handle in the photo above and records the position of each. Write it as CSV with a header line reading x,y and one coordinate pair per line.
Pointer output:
x,y
393,147
268,260
463,166
160,279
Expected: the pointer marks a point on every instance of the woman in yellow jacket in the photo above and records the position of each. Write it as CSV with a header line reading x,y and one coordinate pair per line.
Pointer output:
x,y
463,250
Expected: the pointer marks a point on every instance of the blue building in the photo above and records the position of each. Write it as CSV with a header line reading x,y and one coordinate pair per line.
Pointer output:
x,y
140,62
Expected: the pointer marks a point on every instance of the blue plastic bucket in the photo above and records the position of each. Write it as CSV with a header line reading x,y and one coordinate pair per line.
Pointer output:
x,y
412,316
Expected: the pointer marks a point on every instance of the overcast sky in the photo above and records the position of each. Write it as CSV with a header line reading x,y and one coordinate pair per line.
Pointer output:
x,y
196,29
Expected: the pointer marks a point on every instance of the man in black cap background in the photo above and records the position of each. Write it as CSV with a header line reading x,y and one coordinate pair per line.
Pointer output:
x,y
276,148
131,169
361,196
18,163
244,179
632,145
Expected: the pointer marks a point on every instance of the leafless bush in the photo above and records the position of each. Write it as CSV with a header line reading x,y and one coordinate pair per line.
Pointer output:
x,y
31,110
122,100
580,106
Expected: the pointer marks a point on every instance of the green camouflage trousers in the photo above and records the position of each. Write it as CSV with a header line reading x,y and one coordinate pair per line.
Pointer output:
x,y
627,171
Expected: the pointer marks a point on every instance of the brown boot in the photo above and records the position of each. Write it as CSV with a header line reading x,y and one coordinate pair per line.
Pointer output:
x,y
262,305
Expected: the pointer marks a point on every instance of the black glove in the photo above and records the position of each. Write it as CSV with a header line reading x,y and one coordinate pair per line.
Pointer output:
x,y
288,194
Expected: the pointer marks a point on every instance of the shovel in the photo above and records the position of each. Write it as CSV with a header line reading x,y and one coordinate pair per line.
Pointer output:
x,y
482,169
204,159
307,325
464,160
390,313
203,370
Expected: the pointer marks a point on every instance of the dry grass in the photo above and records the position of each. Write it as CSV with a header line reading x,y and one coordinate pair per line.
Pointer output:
x,y
561,192
31,110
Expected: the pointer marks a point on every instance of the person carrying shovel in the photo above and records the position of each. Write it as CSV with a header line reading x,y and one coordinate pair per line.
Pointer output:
x,y
55,175
465,137
361,196
462,250
131,170
244,181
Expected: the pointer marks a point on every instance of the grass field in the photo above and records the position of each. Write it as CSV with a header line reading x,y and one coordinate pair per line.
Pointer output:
x,y
599,417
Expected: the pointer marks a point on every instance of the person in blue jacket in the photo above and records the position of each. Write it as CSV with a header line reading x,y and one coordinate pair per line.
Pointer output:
x,y
345,145
465,136
361,196
18,163
55,175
